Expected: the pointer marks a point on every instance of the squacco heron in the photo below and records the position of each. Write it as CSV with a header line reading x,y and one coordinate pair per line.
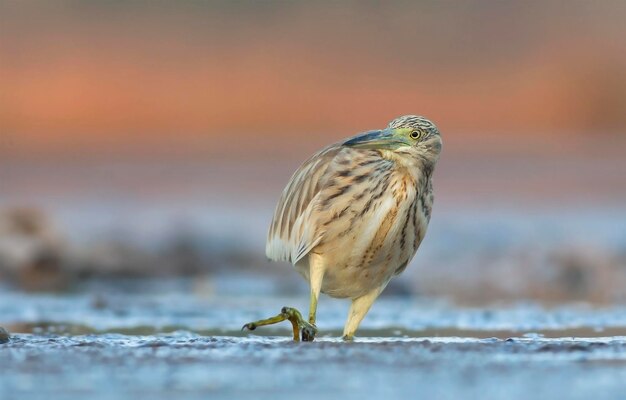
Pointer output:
x,y
353,215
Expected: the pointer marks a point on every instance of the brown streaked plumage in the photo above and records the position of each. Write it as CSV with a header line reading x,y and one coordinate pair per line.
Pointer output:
x,y
353,215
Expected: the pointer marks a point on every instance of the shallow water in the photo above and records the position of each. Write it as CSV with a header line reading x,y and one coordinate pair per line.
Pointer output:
x,y
131,309
126,343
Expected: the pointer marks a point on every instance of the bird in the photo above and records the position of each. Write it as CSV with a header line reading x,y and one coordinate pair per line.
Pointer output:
x,y
353,216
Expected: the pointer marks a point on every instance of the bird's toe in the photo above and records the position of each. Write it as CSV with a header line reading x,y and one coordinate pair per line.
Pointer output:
x,y
250,326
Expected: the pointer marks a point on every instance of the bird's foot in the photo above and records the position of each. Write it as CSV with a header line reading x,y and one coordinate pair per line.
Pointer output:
x,y
299,324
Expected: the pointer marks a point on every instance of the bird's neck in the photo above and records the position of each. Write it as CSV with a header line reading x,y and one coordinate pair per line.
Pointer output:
x,y
417,168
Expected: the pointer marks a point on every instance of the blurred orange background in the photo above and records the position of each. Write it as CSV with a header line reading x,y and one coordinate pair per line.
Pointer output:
x,y
167,96
82,79
157,136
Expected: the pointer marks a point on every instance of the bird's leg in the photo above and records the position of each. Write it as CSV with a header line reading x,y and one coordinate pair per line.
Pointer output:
x,y
308,335
286,314
300,326
359,307
316,276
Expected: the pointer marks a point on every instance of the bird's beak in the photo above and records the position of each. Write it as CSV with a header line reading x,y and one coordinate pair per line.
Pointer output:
x,y
382,139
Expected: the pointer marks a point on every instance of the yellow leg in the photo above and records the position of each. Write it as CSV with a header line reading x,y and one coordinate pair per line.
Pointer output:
x,y
308,330
358,309
313,306
316,276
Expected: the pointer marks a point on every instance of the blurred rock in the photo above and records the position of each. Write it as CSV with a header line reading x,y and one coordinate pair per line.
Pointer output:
x,y
183,255
4,335
554,274
178,255
586,274
113,257
399,288
32,251
99,302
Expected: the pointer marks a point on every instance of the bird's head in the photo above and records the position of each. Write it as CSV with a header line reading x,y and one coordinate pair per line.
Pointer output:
x,y
406,136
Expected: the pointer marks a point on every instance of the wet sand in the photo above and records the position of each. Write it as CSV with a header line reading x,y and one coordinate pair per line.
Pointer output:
x,y
185,365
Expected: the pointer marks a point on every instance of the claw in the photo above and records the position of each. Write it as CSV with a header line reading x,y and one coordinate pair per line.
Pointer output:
x,y
250,326
308,333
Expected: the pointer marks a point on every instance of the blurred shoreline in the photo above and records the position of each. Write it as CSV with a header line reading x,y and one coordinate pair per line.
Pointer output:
x,y
468,257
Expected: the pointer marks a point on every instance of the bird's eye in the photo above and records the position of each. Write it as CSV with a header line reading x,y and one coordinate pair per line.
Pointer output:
x,y
415,135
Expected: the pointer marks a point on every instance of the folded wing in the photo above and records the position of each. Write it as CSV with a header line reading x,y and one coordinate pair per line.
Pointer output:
x,y
293,232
